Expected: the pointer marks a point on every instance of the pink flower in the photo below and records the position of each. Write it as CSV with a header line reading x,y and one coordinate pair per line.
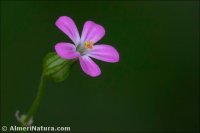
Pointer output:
x,y
83,47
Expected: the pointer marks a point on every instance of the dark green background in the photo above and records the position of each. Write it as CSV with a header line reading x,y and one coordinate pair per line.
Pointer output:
x,y
154,87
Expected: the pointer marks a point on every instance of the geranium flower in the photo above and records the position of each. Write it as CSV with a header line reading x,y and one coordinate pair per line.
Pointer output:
x,y
83,47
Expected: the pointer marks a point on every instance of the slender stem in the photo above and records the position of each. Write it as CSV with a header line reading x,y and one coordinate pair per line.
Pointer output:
x,y
37,100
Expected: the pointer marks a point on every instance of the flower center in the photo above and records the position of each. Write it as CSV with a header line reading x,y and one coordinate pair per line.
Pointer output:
x,y
88,44
84,47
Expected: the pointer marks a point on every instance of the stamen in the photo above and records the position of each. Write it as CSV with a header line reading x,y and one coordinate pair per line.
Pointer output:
x,y
89,44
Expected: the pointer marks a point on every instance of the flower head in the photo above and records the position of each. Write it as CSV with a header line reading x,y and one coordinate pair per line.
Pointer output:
x,y
84,47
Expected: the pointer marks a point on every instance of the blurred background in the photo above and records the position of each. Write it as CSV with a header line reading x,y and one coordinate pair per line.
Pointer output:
x,y
154,87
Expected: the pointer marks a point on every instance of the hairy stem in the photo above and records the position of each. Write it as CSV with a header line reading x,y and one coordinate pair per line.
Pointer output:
x,y
37,100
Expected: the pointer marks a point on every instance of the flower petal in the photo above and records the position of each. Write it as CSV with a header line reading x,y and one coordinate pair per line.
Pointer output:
x,y
89,66
66,50
67,25
105,53
92,32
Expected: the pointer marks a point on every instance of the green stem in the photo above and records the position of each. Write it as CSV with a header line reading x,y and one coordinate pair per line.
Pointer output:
x,y
37,100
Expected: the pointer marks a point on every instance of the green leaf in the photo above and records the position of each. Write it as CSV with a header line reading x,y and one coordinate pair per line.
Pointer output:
x,y
56,68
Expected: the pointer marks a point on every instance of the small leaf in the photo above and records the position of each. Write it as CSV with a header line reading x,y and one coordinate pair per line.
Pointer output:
x,y
56,68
